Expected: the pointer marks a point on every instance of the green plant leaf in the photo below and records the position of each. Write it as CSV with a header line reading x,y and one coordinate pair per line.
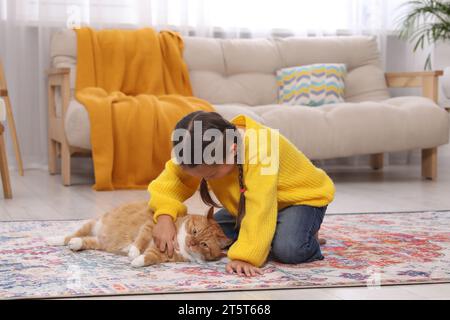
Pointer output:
x,y
425,23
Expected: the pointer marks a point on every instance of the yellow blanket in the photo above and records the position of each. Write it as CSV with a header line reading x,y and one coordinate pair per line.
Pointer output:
x,y
135,87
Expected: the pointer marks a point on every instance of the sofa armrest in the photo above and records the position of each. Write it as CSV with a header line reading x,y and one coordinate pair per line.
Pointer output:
x,y
58,71
427,80
58,78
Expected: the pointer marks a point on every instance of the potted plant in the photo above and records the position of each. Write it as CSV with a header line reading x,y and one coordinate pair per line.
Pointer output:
x,y
425,22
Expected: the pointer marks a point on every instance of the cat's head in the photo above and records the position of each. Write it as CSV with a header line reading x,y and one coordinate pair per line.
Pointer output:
x,y
205,239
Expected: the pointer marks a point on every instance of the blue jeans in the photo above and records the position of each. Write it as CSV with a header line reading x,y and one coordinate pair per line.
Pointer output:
x,y
294,240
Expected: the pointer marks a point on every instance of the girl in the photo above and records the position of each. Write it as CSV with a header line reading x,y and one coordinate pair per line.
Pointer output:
x,y
272,203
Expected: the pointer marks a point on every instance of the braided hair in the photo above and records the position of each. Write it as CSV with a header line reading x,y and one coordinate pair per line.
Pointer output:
x,y
212,120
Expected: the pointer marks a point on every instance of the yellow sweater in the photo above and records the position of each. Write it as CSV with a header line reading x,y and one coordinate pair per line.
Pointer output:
x,y
295,181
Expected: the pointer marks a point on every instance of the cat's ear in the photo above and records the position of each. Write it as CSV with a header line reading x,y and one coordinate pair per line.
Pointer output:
x,y
210,213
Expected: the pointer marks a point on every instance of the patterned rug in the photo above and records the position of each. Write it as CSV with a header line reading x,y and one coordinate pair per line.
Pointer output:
x,y
362,250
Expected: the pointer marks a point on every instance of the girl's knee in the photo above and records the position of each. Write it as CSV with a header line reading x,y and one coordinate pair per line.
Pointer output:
x,y
294,253
223,216
227,223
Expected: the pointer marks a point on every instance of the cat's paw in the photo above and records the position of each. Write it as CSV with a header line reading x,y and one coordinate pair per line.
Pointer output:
x,y
55,241
75,244
138,262
133,252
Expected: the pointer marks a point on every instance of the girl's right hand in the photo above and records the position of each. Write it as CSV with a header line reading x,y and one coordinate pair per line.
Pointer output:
x,y
165,235
243,268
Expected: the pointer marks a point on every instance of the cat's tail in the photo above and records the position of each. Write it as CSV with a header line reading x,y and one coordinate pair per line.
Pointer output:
x,y
55,241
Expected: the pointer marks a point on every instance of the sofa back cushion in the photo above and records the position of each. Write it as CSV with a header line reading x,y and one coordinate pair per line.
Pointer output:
x,y
243,71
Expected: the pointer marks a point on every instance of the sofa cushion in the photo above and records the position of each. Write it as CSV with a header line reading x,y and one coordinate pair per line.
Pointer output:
x,y
230,111
244,70
328,131
347,129
311,85
77,124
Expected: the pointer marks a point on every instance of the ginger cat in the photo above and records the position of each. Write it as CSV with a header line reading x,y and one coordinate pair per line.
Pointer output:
x,y
128,230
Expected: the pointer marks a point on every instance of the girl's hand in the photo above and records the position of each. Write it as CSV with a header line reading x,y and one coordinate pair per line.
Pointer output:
x,y
165,235
243,268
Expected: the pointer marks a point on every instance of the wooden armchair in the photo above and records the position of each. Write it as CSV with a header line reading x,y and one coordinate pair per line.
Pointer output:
x,y
429,82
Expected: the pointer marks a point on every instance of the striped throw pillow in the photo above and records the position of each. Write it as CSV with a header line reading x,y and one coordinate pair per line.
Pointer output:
x,y
311,85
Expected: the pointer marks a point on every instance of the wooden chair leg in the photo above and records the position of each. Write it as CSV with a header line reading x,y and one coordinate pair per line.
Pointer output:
x,y
12,129
377,161
52,156
65,164
429,163
10,119
7,191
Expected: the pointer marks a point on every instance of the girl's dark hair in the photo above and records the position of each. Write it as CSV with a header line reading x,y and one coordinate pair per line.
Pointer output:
x,y
211,120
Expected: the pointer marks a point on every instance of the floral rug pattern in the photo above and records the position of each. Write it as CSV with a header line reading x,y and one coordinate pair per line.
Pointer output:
x,y
362,250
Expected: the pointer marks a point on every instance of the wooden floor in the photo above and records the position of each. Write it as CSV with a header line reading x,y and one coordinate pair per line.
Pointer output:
x,y
38,196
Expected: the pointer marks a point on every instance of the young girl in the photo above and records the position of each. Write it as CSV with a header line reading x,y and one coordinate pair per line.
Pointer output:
x,y
277,211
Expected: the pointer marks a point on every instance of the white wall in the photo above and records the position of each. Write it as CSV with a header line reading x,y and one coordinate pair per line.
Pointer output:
x,y
441,59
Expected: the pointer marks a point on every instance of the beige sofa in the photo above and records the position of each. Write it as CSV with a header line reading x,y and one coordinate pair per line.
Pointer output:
x,y
238,76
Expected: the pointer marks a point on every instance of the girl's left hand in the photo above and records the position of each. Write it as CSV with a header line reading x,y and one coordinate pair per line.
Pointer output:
x,y
243,268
